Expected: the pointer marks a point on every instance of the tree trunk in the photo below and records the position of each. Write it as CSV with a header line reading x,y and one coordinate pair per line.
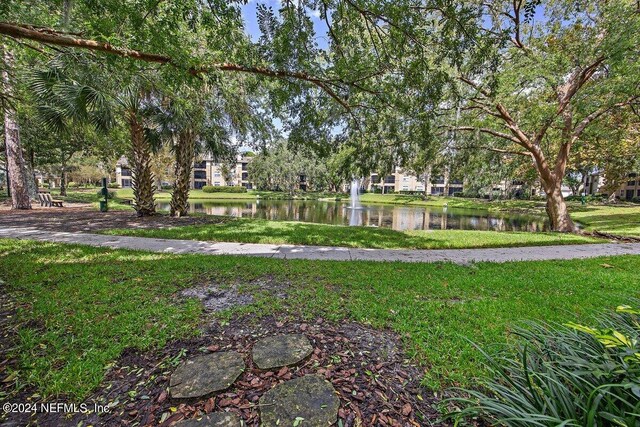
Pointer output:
x,y
142,178
184,164
557,210
16,168
63,177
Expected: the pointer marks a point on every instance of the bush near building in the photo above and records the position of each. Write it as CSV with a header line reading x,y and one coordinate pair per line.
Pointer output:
x,y
223,189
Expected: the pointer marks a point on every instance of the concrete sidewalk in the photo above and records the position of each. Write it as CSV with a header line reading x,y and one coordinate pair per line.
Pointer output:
x,y
459,256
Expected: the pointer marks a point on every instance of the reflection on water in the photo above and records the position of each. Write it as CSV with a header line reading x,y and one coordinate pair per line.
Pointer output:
x,y
389,216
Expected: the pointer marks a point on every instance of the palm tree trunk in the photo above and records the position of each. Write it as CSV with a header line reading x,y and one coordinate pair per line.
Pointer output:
x,y
142,178
16,168
184,163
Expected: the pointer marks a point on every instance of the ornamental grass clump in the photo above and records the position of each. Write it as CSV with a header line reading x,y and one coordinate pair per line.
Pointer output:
x,y
563,375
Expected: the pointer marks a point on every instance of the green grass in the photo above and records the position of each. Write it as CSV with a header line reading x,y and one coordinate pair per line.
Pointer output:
x,y
127,193
81,306
623,220
91,196
301,233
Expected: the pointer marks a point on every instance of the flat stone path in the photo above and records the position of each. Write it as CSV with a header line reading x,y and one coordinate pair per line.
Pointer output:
x,y
281,350
205,374
306,401
459,256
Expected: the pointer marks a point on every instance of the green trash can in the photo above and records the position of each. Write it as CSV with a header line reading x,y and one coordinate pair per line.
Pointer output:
x,y
103,205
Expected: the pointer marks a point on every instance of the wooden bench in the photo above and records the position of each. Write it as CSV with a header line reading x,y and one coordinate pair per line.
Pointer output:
x,y
41,199
46,200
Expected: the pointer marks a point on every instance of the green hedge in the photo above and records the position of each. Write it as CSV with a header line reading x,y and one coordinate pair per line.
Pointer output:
x,y
223,189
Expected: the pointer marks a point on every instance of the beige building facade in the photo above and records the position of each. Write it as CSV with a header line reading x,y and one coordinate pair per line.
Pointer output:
x,y
206,172
402,181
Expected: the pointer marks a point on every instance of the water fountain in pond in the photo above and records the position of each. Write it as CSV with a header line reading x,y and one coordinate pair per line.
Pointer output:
x,y
355,196
356,208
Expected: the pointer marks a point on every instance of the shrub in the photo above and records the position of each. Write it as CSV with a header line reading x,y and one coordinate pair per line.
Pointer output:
x,y
113,185
223,189
166,187
71,184
110,194
589,198
571,375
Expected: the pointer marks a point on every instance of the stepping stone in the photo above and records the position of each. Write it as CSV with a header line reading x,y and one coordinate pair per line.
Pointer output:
x,y
281,350
311,400
215,419
205,374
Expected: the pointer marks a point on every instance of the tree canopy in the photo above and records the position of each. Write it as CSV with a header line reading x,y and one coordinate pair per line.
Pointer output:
x,y
383,84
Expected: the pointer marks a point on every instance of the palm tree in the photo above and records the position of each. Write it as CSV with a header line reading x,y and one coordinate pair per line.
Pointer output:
x,y
66,104
69,108
137,104
192,128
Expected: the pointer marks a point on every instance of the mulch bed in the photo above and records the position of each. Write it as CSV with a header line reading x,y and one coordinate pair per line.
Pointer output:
x,y
376,383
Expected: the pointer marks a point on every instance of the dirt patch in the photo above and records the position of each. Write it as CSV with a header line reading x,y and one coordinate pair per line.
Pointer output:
x,y
376,383
84,218
214,298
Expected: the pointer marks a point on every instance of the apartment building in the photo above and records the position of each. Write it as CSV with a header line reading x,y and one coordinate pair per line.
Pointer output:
x,y
400,181
123,173
627,191
205,172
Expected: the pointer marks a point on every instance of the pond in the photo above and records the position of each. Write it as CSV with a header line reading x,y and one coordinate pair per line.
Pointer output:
x,y
396,217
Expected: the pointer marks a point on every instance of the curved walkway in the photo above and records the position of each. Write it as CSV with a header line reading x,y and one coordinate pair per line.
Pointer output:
x,y
459,256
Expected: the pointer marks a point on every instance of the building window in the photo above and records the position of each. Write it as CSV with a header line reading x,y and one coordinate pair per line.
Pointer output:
x,y
631,183
200,174
199,184
375,179
216,184
390,179
125,172
405,188
439,180
437,190
200,165
245,176
125,183
244,166
216,175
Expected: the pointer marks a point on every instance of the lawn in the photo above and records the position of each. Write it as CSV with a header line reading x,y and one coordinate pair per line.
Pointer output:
x,y
623,220
127,193
79,307
301,233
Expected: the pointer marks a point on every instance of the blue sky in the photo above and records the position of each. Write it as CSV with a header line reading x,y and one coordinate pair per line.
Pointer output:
x,y
251,23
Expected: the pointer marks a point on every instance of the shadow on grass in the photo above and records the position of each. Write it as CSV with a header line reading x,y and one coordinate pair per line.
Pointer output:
x,y
301,233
